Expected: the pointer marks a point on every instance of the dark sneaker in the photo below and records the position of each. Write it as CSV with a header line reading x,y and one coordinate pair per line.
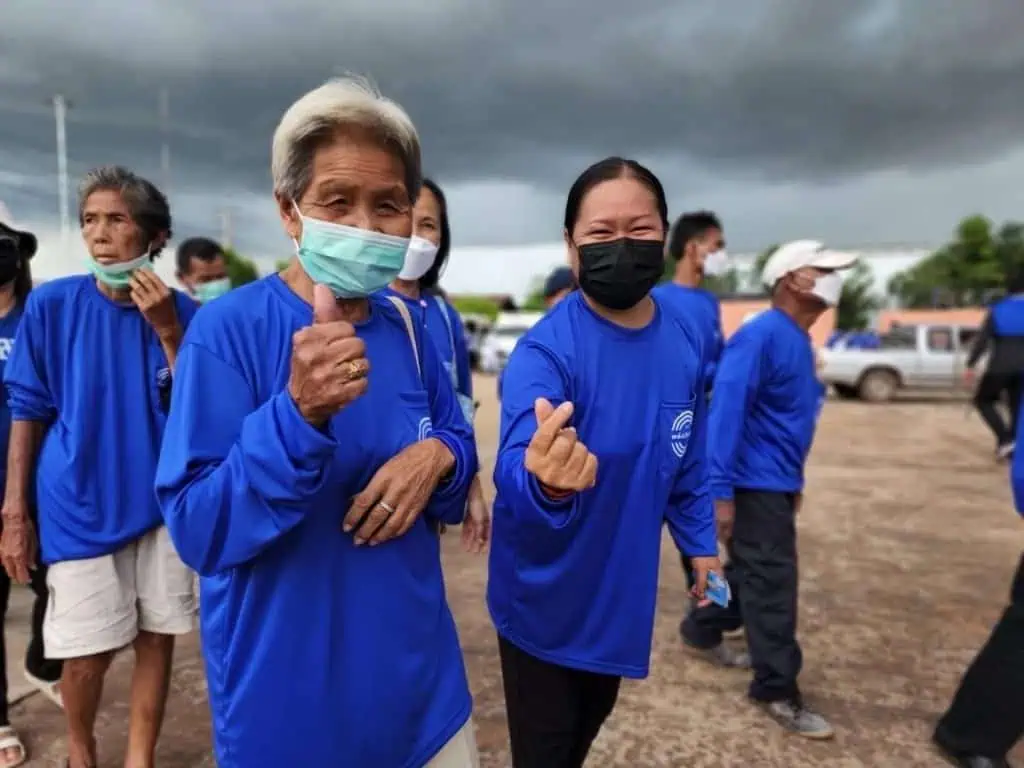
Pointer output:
x,y
722,656
962,760
1005,451
798,719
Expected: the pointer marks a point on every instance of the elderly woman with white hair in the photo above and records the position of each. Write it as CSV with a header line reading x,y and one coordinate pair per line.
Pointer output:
x,y
314,446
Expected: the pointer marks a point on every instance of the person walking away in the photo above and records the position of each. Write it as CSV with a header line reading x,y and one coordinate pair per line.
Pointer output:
x,y
763,414
315,444
16,249
1001,339
986,717
417,286
602,442
696,247
202,269
88,385
558,284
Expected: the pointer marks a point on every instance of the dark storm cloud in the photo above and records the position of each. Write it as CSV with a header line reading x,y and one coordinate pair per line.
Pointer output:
x,y
800,90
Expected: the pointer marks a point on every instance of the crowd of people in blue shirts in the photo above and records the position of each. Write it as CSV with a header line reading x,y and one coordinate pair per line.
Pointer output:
x,y
299,445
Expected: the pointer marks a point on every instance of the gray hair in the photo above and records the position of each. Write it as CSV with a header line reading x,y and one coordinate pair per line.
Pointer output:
x,y
347,102
147,205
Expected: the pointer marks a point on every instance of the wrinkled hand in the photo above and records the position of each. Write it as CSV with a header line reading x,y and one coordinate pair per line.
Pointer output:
x,y
556,456
398,492
476,528
702,566
155,301
18,544
329,365
725,518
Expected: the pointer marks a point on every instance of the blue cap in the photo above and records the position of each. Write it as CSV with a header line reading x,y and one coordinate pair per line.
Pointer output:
x,y
561,279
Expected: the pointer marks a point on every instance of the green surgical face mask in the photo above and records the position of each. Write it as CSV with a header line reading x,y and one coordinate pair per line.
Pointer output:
x,y
119,275
212,290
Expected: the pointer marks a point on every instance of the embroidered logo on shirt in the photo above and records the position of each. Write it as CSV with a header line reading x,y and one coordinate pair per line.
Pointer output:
x,y
426,427
682,428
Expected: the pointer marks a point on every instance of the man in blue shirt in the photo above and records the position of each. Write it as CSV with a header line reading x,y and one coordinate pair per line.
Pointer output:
x,y
696,247
986,718
1001,341
766,403
203,269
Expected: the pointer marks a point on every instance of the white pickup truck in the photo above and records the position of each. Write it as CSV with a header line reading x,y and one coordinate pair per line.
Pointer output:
x,y
910,357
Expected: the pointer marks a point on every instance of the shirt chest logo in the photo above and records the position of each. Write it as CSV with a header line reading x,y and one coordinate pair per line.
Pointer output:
x,y
679,436
6,345
425,428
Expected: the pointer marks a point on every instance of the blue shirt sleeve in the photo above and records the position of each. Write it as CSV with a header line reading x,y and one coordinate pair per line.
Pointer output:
x,y
736,383
28,392
532,372
1017,467
233,477
448,504
691,510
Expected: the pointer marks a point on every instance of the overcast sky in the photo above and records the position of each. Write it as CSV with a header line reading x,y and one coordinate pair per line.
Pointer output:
x,y
854,121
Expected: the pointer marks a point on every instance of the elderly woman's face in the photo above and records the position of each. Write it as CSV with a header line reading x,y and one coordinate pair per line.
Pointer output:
x,y
108,229
426,217
355,182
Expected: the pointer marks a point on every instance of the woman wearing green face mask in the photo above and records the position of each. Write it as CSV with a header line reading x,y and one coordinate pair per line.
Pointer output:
x,y
88,385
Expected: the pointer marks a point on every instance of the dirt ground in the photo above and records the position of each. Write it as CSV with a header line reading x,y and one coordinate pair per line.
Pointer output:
x,y
908,543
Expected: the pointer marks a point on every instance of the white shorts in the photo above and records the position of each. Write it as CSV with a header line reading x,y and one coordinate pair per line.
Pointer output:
x,y
459,752
101,604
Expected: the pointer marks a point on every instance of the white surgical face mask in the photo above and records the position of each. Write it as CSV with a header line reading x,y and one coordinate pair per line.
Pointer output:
x,y
828,288
716,263
418,259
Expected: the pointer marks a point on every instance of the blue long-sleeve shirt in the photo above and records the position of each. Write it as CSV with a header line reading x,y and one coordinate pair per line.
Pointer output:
x,y
574,582
8,329
700,307
766,403
1017,466
94,372
317,652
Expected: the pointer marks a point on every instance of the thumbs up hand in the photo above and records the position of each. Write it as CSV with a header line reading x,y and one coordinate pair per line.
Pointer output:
x,y
329,365
556,456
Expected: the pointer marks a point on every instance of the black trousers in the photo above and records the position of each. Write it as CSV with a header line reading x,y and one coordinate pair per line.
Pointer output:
x,y
35,661
995,389
986,717
554,713
764,555
703,626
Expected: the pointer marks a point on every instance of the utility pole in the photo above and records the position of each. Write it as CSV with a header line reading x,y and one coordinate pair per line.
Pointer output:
x,y
60,113
165,147
225,228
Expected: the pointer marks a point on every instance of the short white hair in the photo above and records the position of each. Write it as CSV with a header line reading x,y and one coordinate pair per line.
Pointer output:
x,y
340,103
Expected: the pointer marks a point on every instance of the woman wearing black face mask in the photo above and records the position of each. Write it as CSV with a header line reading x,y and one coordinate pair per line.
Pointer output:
x,y
16,248
602,442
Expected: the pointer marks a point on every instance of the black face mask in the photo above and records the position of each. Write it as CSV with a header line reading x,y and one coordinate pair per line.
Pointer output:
x,y
619,273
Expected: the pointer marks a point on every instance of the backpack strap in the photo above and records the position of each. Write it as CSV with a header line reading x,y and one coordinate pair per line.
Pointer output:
x,y
451,333
410,329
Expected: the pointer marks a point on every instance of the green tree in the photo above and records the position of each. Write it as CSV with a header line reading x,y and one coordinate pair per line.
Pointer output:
x,y
969,270
475,305
281,264
240,269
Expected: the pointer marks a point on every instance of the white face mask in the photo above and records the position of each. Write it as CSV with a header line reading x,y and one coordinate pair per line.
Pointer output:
x,y
716,263
418,259
829,288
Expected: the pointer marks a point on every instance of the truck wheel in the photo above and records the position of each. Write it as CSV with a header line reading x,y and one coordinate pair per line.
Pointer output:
x,y
878,386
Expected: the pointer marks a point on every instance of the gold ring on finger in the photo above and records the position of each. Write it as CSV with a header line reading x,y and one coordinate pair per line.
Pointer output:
x,y
354,369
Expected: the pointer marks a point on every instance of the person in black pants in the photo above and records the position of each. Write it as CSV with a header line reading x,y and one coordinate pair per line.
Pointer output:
x,y
986,717
1002,337
16,249
763,414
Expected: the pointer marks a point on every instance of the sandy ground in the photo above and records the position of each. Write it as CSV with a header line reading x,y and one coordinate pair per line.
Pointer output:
x,y
908,543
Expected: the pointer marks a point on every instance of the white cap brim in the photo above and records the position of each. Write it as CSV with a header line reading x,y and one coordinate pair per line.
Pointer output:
x,y
829,259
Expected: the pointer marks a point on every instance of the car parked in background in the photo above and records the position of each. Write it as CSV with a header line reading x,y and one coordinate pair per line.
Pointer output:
x,y
501,339
927,357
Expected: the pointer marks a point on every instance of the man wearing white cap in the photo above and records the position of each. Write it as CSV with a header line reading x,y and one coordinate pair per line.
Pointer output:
x,y
760,429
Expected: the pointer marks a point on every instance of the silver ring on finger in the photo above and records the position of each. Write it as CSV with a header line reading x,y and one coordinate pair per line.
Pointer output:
x,y
386,507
